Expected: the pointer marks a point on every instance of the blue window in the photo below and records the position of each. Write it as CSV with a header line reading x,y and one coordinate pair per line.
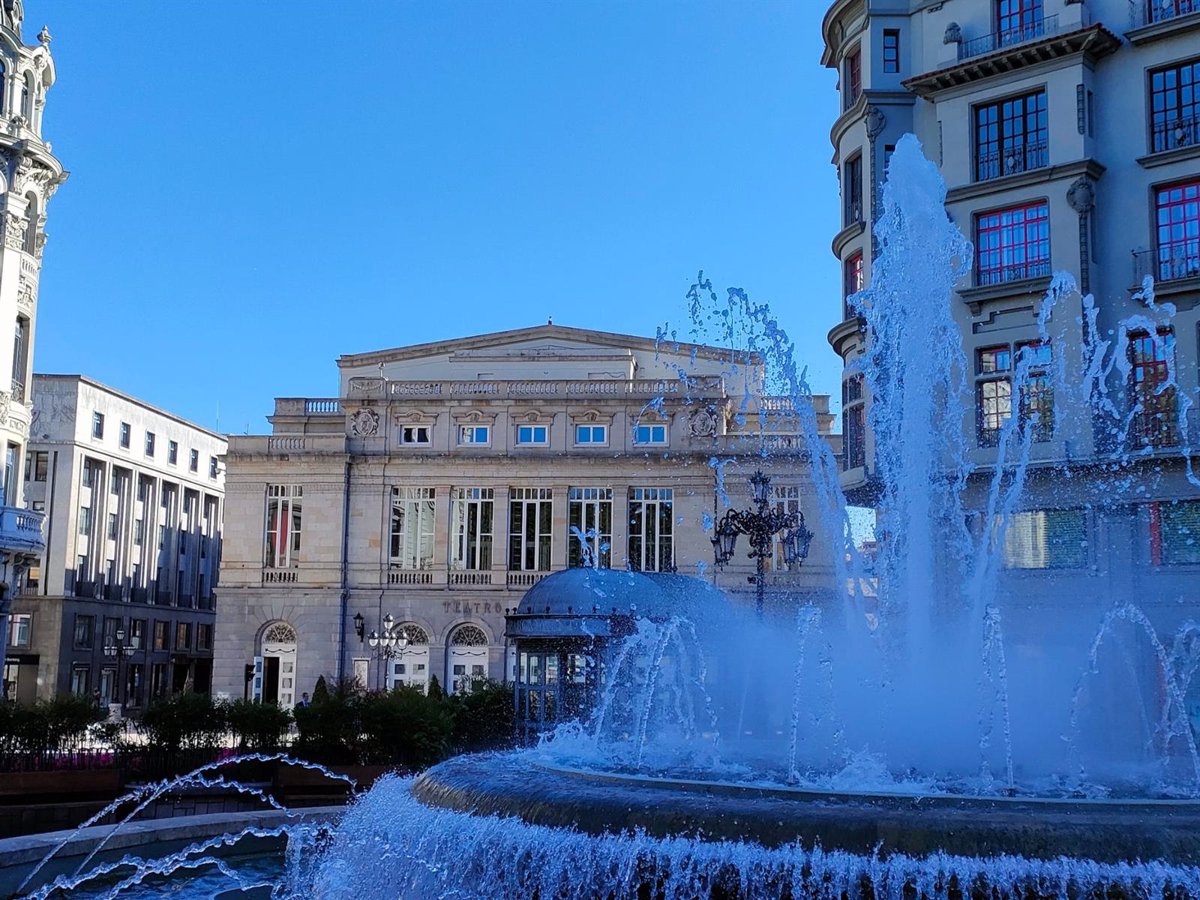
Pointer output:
x,y
474,434
591,434
533,434
650,434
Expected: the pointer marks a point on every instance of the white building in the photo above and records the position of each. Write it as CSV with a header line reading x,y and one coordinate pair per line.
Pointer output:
x,y
133,498
29,175
446,479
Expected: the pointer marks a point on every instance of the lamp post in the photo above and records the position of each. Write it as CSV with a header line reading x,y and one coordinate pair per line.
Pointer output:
x,y
391,642
117,649
761,525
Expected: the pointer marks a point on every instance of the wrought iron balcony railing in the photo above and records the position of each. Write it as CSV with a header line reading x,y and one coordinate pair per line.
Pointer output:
x,y
1011,161
1011,37
1155,11
1012,272
1172,263
1174,134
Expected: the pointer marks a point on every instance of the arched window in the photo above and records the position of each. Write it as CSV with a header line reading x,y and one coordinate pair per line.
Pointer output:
x,y
27,99
468,636
279,633
466,658
415,634
31,225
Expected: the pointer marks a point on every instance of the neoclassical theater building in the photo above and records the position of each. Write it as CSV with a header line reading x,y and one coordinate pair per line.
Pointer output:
x,y
448,478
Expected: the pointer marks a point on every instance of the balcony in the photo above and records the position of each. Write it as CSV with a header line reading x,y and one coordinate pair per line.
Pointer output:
x,y
1011,161
1013,272
1156,11
1013,37
21,531
1173,135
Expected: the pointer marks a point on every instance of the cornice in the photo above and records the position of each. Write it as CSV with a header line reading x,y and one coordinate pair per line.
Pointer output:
x,y
1156,31
845,236
975,297
1071,170
1167,157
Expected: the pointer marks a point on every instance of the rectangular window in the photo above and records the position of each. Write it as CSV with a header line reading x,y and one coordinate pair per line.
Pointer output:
x,y
471,528
650,435
589,527
414,434
536,435
284,507
149,443
852,283
1011,136
79,680
1018,20
854,422
851,79
108,633
1174,104
88,476
852,191
1152,395
1012,244
183,635
20,630
160,635
172,452
193,460
1177,218
994,368
1047,539
891,51
203,636
1165,10
413,513
98,425
124,436
469,435
530,519
1175,533
139,531
787,500
112,526
651,530
591,435
37,465
143,489
212,467
137,634
85,629
85,520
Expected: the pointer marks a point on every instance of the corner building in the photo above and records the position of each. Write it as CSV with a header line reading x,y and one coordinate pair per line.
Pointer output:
x,y
1068,135
446,479
121,600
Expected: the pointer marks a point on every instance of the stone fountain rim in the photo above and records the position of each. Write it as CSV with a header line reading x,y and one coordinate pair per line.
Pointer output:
x,y
809,793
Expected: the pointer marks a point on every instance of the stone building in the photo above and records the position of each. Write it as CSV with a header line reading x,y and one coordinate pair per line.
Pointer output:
x,y
446,479
29,176
1068,135
121,601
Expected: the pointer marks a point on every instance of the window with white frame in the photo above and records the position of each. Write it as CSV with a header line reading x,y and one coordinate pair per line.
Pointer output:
x,y
150,439
589,527
20,629
85,520
787,500
474,435
591,435
650,435
98,425
530,519
412,527
533,435
417,435
284,507
651,530
471,528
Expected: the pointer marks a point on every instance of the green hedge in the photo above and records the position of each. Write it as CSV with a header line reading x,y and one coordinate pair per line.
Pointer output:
x,y
47,726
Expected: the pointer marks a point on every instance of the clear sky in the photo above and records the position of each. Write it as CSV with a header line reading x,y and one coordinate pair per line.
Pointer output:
x,y
260,186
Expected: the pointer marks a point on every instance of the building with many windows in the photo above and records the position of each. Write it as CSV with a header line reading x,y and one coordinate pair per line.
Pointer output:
x,y
447,479
121,601
1068,135
29,176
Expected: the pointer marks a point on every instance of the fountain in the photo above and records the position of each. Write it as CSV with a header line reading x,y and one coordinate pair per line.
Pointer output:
x,y
921,735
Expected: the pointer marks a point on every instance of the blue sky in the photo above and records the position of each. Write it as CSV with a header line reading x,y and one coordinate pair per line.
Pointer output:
x,y
259,187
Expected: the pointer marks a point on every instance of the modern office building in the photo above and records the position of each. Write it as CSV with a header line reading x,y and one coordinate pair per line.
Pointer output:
x,y
29,176
446,479
121,601
1068,135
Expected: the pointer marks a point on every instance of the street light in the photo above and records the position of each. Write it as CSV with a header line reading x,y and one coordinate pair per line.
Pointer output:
x,y
761,525
392,642
117,649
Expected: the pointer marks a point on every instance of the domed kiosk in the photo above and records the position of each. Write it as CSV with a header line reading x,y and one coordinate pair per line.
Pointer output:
x,y
568,625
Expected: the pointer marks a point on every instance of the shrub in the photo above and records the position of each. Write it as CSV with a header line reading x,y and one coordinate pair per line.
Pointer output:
x,y
257,726
47,726
483,717
330,728
184,720
406,727
321,691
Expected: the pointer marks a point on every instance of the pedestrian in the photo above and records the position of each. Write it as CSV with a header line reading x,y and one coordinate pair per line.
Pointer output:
x,y
304,701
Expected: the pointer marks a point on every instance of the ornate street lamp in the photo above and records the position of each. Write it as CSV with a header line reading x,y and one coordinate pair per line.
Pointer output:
x,y
392,642
117,649
761,525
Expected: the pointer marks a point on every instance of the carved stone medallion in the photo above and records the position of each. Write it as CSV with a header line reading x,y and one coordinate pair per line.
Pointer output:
x,y
364,423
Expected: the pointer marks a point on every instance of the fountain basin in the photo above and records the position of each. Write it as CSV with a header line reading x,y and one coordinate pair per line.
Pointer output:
x,y
867,823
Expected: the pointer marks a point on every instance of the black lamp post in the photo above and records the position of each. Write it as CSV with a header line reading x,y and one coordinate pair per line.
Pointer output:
x,y
117,649
761,525
359,624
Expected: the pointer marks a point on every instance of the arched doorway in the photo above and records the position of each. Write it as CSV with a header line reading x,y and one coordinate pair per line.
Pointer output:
x,y
466,658
411,665
278,660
